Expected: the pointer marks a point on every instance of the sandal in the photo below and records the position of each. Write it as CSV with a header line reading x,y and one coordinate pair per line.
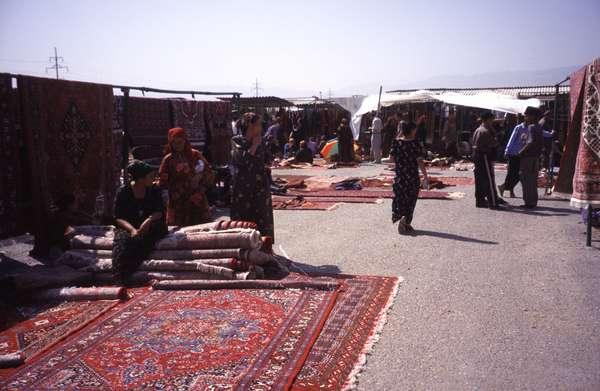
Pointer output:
x,y
402,226
501,190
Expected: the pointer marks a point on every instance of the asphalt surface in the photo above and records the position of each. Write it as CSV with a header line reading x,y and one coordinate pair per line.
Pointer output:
x,y
492,300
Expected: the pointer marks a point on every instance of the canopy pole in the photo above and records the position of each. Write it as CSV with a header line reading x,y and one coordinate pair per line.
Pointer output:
x,y
379,100
126,136
550,172
588,241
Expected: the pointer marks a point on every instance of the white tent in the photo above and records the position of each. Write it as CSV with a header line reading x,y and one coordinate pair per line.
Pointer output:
x,y
484,100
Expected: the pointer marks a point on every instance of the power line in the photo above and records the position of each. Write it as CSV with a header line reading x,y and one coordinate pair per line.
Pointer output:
x,y
56,65
256,87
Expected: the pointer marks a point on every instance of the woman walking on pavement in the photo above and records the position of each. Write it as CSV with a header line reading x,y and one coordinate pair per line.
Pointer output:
x,y
407,154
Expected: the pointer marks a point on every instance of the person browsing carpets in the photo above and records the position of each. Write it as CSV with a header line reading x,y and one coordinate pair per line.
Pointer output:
x,y
251,187
186,175
407,154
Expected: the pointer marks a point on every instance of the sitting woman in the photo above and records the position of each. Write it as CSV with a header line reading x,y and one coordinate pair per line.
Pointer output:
x,y
289,149
140,220
186,175
304,155
251,193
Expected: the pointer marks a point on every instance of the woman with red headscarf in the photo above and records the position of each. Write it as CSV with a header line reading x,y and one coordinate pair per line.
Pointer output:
x,y
186,174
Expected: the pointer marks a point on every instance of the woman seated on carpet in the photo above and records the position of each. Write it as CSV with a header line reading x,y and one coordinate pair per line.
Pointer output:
x,y
304,155
251,192
407,153
186,175
140,220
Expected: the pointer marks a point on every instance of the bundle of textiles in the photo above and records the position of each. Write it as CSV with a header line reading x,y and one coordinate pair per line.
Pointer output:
x,y
224,250
80,294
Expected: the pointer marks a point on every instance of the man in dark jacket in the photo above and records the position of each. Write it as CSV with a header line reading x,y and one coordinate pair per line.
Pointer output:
x,y
484,150
529,156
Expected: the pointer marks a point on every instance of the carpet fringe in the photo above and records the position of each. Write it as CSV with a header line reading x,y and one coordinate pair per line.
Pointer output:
x,y
352,381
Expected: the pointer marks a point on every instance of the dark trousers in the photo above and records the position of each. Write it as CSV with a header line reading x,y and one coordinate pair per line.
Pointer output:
x,y
485,182
547,152
512,175
529,175
128,253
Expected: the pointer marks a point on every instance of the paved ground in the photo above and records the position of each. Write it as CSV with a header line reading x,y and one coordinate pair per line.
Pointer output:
x,y
492,300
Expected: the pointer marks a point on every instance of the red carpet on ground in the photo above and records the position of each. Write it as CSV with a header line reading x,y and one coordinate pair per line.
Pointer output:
x,y
371,193
256,339
352,328
244,339
34,328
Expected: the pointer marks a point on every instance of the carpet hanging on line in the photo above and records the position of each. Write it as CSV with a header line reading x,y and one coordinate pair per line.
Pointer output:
x,y
10,180
68,136
564,180
224,339
218,119
190,115
586,181
149,120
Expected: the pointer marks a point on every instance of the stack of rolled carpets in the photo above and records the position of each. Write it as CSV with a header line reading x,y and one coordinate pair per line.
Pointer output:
x,y
180,240
202,252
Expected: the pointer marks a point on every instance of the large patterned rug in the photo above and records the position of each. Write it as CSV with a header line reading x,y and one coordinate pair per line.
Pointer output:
x,y
34,328
223,339
257,339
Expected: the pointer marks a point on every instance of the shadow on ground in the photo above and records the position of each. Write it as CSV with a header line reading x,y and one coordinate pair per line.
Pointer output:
x,y
444,235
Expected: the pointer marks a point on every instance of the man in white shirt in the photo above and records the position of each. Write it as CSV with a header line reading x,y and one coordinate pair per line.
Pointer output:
x,y
376,128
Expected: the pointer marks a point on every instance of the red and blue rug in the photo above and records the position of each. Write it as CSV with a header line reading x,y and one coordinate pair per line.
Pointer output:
x,y
223,339
243,339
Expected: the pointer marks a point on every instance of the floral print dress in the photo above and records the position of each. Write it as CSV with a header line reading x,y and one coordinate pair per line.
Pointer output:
x,y
406,182
251,188
187,206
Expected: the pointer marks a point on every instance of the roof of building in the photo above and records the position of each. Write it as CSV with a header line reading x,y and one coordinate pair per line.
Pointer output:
x,y
260,101
517,92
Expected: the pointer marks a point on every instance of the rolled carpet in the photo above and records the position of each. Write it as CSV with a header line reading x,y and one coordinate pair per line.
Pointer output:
x,y
227,239
143,277
198,254
222,225
196,266
254,284
79,294
11,360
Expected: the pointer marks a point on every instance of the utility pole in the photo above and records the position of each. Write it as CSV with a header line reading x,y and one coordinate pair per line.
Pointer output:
x,y
56,65
329,93
256,87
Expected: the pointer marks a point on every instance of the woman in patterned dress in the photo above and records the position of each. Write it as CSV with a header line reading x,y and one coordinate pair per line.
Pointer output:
x,y
407,153
186,175
251,190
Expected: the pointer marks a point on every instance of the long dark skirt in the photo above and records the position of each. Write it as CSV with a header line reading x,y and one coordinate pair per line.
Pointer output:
x,y
128,253
406,193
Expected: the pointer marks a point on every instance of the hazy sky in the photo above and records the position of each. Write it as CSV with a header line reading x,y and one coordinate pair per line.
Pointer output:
x,y
294,47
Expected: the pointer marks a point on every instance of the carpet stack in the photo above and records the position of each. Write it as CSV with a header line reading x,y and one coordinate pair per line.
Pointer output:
x,y
223,250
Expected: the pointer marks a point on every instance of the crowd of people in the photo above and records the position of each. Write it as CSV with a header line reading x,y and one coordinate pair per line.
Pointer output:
x,y
176,194
526,146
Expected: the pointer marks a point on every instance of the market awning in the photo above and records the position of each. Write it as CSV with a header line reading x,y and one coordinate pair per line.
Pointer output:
x,y
483,100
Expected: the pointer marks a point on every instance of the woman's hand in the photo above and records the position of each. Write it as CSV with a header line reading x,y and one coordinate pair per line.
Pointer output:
x,y
196,181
